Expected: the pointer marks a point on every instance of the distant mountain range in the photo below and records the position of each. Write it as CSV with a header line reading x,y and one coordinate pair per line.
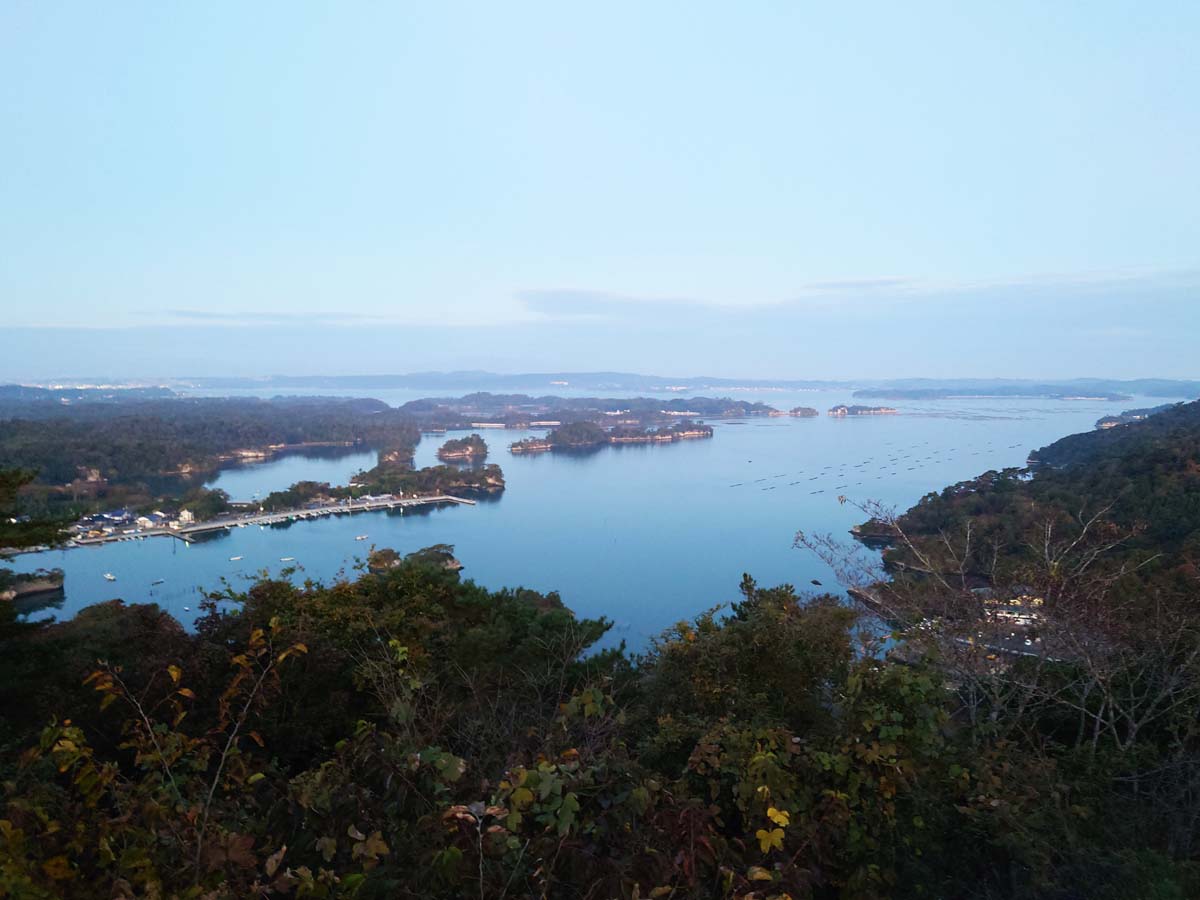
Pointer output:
x,y
1102,388
910,388
547,382
542,381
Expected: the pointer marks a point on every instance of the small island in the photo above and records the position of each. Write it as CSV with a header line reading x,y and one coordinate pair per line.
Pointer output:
x,y
32,584
843,410
470,449
385,559
802,412
588,435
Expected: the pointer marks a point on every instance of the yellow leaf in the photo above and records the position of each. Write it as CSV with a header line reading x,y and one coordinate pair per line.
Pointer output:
x,y
758,873
780,817
175,672
58,868
769,839
186,692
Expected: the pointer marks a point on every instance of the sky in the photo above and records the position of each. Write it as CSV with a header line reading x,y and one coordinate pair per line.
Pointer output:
x,y
792,190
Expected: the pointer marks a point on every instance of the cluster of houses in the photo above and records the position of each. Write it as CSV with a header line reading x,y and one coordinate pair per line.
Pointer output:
x,y
1020,609
122,521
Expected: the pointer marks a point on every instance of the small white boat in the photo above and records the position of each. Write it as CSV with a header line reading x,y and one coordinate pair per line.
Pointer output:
x,y
361,537
109,576
287,559
234,558
187,609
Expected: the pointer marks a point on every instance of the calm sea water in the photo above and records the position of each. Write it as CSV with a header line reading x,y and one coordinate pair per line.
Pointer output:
x,y
645,535
249,481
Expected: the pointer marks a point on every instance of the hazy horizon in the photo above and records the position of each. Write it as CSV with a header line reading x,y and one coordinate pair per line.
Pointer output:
x,y
935,190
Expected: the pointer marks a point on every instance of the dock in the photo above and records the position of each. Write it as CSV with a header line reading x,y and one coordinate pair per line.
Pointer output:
x,y
188,533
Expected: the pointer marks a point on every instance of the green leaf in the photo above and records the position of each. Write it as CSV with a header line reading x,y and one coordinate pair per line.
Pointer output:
x,y
567,811
521,797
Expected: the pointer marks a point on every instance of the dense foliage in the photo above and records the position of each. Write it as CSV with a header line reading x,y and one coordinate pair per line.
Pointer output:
x,y
578,434
411,734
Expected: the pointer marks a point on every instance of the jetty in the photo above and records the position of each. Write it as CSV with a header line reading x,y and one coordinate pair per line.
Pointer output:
x,y
188,533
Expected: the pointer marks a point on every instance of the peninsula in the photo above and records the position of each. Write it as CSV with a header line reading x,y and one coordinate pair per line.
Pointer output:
x,y
1129,416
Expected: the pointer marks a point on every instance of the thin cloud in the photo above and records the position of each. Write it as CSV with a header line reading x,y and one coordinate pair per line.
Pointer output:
x,y
576,304
857,285
567,303
253,317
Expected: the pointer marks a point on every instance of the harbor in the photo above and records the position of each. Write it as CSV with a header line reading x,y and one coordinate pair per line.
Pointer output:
x,y
189,532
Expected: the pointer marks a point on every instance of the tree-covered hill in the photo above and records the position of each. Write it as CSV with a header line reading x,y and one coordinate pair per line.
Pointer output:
x,y
1142,479
139,439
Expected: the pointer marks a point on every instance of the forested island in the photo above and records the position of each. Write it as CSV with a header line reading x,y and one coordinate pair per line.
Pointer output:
x,y
1023,728
522,411
32,584
400,481
843,410
471,449
587,435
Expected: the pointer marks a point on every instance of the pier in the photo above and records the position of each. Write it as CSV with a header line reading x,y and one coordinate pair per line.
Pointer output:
x,y
187,533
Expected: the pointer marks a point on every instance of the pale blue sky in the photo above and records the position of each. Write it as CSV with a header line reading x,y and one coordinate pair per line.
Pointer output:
x,y
949,188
